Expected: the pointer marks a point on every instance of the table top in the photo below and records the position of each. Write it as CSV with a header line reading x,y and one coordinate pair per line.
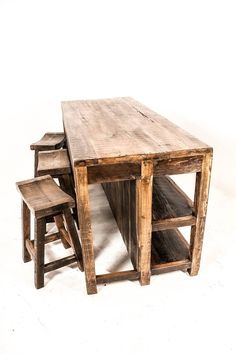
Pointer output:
x,y
121,129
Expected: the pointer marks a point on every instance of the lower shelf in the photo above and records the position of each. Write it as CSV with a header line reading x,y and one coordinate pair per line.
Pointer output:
x,y
170,251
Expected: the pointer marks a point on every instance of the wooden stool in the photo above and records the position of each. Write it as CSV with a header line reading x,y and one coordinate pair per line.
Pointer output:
x,y
43,197
50,141
56,163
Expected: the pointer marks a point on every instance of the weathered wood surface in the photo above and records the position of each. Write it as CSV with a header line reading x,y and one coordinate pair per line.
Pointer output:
x,y
113,172
49,141
169,246
39,233
118,276
200,203
25,212
175,166
121,129
122,199
43,196
144,220
82,195
53,163
171,266
110,140
171,207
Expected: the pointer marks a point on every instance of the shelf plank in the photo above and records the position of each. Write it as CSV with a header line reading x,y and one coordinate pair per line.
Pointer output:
x,y
168,246
171,207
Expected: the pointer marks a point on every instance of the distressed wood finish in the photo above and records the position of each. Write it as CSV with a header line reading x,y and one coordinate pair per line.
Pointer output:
x,y
122,130
175,166
39,232
25,231
171,207
50,141
43,197
200,203
53,163
144,220
122,199
81,182
168,246
123,144
113,172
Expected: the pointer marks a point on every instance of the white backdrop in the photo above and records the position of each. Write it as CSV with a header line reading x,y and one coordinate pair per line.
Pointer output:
x,y
178,57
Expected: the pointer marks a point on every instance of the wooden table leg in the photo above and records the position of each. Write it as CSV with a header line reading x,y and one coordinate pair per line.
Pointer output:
x,y
200,205
144,220
82,197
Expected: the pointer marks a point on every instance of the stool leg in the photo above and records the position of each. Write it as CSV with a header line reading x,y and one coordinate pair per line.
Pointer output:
x,y
67,185
75,242
25,231
40,230
35,163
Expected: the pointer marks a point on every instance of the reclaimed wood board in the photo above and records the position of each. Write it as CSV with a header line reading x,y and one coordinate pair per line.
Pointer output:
x,y
168,246
122,197
121,129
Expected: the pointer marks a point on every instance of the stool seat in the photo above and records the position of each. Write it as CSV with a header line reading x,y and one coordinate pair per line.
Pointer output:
x,y
49,141
53,163
43,196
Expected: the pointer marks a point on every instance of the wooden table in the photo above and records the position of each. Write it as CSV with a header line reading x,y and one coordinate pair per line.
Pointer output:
x,y
121,141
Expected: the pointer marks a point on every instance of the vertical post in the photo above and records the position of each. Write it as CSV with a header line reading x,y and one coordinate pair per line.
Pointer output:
x,y
144,220
82,197
25,231
200,205
36,163
40,230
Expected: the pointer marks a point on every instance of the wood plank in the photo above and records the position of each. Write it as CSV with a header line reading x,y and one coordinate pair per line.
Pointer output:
x,y
171,207
169,201
122,130
168,246
200,201
113,172
171,267
121,197
117,276
82,197
175,166
173,223
144,220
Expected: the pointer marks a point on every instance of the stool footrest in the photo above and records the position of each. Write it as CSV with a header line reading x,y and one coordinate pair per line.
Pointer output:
x,y
59,263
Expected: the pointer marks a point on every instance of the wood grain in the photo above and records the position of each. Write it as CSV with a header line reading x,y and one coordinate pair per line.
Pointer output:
x,y
122,130
40,230
82,195
169,246
49,141
25,212
43,196
144,220
53,163
200,202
